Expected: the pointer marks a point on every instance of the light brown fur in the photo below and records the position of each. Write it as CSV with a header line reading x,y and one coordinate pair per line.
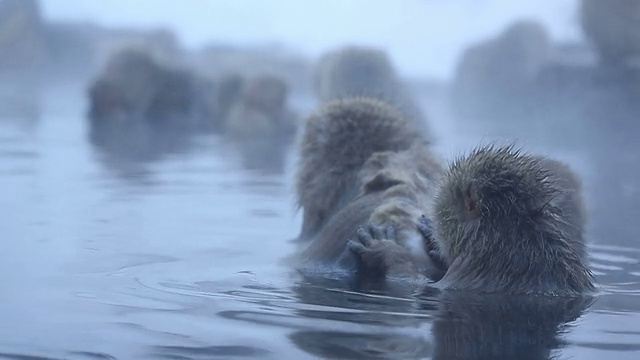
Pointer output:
x,y
395,191
337,141
362,162
504,221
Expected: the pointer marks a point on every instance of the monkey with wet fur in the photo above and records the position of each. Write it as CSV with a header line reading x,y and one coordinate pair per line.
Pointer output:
x,y
504,221
362,161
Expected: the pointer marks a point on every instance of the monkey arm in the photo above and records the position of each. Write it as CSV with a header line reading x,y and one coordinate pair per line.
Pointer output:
x,y
438,265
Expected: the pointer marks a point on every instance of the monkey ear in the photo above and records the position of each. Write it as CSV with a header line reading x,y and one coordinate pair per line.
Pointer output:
x,y
470,204
380,182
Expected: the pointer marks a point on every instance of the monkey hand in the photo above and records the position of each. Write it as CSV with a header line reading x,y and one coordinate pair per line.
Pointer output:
x,y
439,265
379,255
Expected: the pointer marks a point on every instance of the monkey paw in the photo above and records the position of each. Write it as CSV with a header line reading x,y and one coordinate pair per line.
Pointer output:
x,y
438,262
379,254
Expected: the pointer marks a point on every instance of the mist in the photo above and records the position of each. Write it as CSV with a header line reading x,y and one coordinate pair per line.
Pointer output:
x,y
181,179
424,37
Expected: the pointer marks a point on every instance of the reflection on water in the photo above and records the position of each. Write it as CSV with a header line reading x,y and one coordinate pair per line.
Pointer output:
x,y
180,259
503,327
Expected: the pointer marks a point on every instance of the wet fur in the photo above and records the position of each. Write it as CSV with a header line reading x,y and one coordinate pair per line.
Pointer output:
x,y
336,142
394,192
361,162
507,221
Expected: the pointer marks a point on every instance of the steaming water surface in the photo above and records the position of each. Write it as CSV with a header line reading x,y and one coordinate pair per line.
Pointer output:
x,y
181,258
